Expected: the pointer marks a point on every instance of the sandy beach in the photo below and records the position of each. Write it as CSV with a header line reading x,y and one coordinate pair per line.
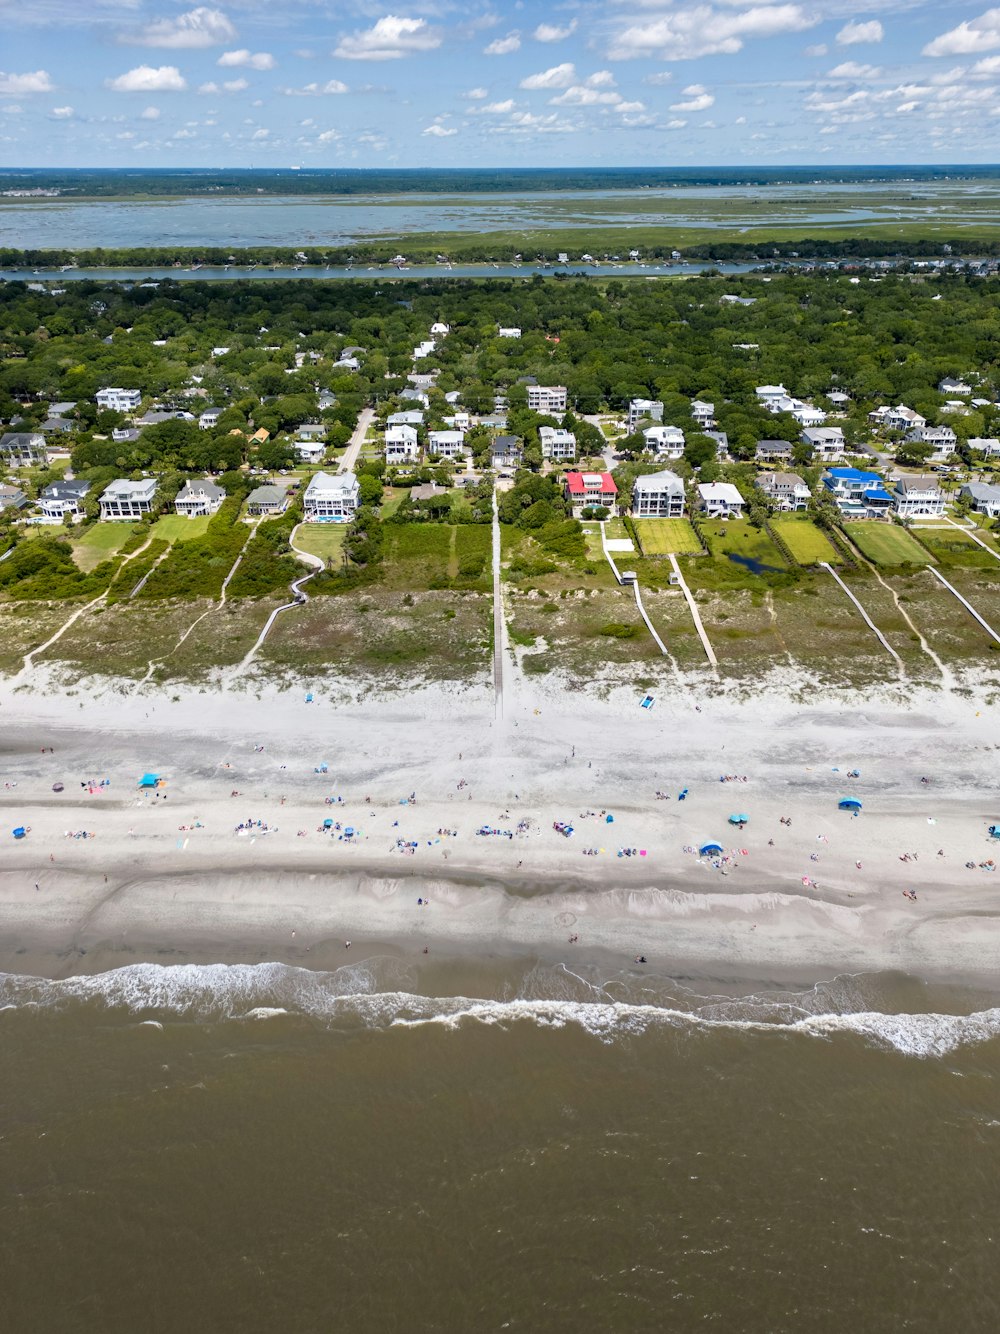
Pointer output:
x,y
168,876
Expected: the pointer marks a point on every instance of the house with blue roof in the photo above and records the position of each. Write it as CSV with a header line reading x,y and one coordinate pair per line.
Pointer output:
x,y
859,494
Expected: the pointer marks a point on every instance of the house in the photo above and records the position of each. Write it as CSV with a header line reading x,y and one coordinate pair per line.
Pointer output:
x,y
20,447
772,451
721,441
459,421
209,419
984,497
547,398
347,363
125,499
556,443
917,496
61,498
260,437
12,498
858,494
806,415
643,409
720,500
703,414
423,349
728,299
943,439
219,351
786,489
506,452
446,444
124,435
309,451
899,418
325,400
949,386
826,442
56,426
331,498
658,495
586,489
508,331
267,500
428,491
61,409
415,396
770,393
401,444
118,400
412,418
987,445
199,498
312,431
156,417
666,442
838,399
438,329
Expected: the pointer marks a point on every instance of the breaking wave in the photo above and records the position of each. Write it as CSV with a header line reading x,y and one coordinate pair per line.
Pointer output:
x,y
373,995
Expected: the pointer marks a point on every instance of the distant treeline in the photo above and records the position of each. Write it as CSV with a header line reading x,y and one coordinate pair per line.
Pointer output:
x,y
116,181
505,249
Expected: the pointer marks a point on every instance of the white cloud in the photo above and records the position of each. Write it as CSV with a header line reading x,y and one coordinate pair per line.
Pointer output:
x,y
332,87
699,99
504,46
246,60
701,30
987,67
261,134
197,28
602,78
151,113
629,108
235,85
37,82
476,95
851,34
146,79
62,113
850,69
208,89
579,95
969,38
821,49
559,76
549,32
497,108
440,131
329,137
676,124
391,38
661,77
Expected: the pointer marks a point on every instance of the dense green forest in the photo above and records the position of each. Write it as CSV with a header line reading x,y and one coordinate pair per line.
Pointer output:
x,y
124,182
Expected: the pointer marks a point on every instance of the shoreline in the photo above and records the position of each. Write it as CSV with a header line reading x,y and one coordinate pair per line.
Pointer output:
x,y
182,886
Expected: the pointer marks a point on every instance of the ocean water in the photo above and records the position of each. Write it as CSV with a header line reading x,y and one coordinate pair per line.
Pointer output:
x,y
265,1148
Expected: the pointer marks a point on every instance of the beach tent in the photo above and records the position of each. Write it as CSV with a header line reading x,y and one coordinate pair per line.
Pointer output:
x,y
149,780
709,849
995,830
740,820
849,804
19,832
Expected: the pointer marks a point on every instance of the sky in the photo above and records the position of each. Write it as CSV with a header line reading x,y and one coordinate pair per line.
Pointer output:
x,y
327,83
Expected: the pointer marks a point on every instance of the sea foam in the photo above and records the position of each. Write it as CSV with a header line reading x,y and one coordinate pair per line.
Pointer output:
x,y
354,996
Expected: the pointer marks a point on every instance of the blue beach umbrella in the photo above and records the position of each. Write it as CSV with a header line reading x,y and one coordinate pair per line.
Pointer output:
x,y
849,804
707,849
149,780
739,819
995,830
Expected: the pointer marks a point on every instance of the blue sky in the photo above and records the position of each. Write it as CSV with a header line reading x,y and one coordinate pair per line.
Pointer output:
x,y
501,83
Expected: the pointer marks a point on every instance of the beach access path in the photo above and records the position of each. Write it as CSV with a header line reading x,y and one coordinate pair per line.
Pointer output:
x,y
350,458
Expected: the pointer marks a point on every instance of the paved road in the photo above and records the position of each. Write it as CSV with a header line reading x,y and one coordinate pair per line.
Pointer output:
x,y
499,624
357,440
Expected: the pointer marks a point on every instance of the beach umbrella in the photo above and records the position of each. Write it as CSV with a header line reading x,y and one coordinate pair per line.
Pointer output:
x,y
849,804
995,830
149,780
19,832
739,819
707,849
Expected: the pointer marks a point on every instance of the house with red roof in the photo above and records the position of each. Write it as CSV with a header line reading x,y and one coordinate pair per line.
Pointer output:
x,y
584,489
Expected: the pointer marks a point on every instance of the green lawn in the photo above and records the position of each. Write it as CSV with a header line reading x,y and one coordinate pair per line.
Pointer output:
x,y
665,537
615,528
325,540
100,542
738,538
951,546
177,528
887,544
807,543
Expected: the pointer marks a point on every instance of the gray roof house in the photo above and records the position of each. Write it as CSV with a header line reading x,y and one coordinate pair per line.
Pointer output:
x,y
125,499
773,451
267,499
61,498
12,498
23,447
196,498
984,497
658,495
